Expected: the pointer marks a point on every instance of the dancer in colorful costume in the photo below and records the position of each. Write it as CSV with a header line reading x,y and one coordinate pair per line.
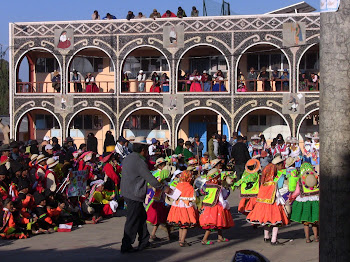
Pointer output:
x,y
255,147
8,227
216,209
249,186
183,212
315,149
269,209
157,212
295,151
305,208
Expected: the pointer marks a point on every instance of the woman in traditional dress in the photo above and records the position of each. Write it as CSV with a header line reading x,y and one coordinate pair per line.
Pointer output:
x,y
195,78
219,82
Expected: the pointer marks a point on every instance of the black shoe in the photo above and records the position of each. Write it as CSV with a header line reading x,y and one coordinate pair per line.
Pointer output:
x,y
276,243
128,250
267,240
149,245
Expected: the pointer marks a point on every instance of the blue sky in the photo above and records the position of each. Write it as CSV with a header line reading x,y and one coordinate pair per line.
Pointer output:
x,y
40,10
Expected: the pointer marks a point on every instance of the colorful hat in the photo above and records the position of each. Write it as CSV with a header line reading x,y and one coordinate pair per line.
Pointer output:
x,y
206,166
309,177
186,176
290,161
192,161
255,163
212,174
160,161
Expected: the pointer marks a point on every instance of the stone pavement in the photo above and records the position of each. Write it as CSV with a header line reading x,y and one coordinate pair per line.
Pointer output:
x,y
102,242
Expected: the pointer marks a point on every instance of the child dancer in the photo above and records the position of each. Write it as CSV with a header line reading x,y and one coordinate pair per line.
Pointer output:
x,y
216,210
183,212
305,209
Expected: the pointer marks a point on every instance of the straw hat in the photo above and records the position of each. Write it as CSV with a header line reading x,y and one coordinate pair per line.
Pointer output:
x,y
214,162
213,173
278,159
51,162
34,157
290,161
160,161
41,158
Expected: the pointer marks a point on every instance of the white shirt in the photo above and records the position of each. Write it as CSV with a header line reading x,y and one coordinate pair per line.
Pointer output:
x,y
121,150
92,79
141,77
152,150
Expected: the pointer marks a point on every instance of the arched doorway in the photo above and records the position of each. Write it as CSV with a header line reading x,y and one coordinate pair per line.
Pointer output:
x,y
309,124
98,64
148,123
309,69
257,58
138,68
204,122
203,68
35,72
87,121
263,121
37,123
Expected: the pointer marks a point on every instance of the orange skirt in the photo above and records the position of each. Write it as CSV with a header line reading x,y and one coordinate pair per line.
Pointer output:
x,y
246,205
267,214
183,217
215,217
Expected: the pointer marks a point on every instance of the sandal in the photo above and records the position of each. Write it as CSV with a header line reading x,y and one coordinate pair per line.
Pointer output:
x,y
317,239
184,244
308,240
223,240
208,243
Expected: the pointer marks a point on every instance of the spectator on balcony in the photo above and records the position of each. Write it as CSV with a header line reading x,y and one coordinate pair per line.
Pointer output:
x,y
195,78
252,76
313,81
56,81
155,14
155,88
241,82
95,15
265,78
207,81
285,78
140,16
125,83
109,17
76,80
141,78
219,82
164,80
181,13
194,12
155,77
303,81
91,86
168,14
276,77
130,15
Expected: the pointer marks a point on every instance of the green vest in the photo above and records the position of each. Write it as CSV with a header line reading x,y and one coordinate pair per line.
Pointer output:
x,y
212,193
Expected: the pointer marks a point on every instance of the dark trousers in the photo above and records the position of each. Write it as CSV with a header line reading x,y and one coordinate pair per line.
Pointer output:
x,y
239,171
135,223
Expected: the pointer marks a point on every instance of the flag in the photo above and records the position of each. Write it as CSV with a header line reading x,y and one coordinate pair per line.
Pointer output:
x,y
65,227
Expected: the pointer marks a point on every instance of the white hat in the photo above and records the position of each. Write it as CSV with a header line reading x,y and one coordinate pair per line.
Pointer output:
x,y
290,161
41,158
277,159
315,135
204,71
255,137
289,139
48,147
46,138
308,135
34,157
294,140
52,162
141,72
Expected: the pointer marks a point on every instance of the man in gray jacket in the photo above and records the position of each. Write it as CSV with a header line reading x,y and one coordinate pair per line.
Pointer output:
x,y
135,176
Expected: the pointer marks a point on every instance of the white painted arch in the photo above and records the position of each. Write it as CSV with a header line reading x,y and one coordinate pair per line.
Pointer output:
x,y
138,47
145,108
89,108
208,45
91,47
38,108
20,59
255,44
302,120
264,108
198,108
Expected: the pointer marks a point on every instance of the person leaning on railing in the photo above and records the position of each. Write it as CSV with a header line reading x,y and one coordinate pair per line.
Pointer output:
x,y
76,79
164,80
56,81
125,83
207,81
252,76
265,78
91,86
285,78
219,82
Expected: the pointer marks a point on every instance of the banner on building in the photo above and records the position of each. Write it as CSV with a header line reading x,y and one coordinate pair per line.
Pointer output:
x,y
293,104
294,34
77,185
64,39
173,104
173,36
329,5
63,103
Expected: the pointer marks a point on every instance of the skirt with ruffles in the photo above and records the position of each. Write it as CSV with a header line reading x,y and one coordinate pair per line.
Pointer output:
x,y
183,217
267,214
246,205
215,217
157,213
305,212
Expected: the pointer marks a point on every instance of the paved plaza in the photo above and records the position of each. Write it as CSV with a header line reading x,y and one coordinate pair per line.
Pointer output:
x,y
102,242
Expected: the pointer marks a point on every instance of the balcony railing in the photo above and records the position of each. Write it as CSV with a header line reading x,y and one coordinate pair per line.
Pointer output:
x,y
209,86
95,87
276,85
38,87
147,86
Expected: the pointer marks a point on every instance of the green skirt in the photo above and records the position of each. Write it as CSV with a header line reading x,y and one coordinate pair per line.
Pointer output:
x,y
305,212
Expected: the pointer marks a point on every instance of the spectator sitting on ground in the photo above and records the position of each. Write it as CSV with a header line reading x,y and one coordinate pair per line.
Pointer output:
x,y
130,15
194,12
168,14
155,14
109,17
95,16
181,13
140,16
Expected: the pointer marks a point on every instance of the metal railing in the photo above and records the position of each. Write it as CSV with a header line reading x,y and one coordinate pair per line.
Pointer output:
x,y
198,86
38,87
147,86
